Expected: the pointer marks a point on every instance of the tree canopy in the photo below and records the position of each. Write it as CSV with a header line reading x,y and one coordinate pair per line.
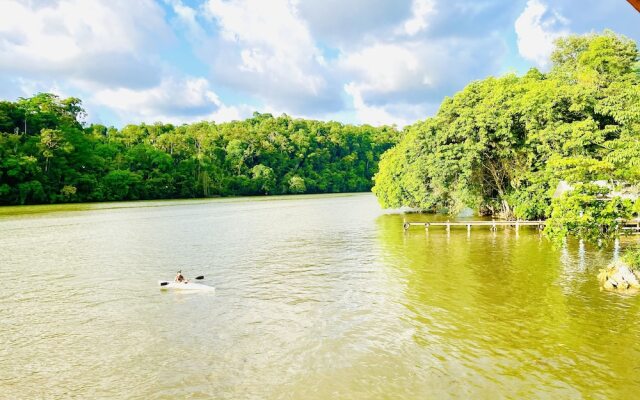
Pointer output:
x,y
501,145
48,156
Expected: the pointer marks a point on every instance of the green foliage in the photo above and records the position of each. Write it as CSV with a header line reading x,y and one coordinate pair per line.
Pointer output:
x,y
297,185
631,256
264,177
585,213
56,159
120,185
501,145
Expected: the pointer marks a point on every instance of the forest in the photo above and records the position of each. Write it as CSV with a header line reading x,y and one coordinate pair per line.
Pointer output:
x,y
501,145
47,155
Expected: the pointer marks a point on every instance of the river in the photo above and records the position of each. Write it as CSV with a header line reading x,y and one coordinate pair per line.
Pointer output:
x,y
317,297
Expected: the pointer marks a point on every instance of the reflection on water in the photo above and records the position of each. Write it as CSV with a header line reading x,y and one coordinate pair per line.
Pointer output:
x,y
317,297
510,314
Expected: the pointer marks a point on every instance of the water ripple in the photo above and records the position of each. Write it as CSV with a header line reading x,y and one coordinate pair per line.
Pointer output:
x,y
322,297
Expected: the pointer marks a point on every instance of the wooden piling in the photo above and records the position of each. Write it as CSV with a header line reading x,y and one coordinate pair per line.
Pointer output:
x,y
630,226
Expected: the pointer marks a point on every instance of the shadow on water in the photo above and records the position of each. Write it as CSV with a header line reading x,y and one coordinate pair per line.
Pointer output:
x,y
509,313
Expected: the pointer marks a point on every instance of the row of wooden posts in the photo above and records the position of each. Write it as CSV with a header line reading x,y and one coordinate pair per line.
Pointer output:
x,y
493,225
631,226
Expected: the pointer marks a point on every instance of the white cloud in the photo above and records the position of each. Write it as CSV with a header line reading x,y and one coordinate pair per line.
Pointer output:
x,y
416,71
188,17
422,10
384,67
384,61
28,87
371,114
537,29
343,23
404,80
174,100
272,24
399,114
265,49
65,37
231,113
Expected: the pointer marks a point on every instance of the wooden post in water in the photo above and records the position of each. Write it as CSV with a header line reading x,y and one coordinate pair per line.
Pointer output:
x,y
492,225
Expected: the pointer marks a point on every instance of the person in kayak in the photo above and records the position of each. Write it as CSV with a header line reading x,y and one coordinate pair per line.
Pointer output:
x,y
180,278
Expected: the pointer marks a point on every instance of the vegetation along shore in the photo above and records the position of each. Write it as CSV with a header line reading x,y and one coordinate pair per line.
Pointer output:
x,y
501,146
48,156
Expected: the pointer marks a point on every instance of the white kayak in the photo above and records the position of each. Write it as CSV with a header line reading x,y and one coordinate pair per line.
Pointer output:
x,y
184,285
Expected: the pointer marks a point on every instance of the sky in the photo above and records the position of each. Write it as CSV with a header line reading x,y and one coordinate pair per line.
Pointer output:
x,y
354,61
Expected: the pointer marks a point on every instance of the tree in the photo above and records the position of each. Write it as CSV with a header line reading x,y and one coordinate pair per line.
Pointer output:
x,y
264,177
120,185
296,185
501,145
582,212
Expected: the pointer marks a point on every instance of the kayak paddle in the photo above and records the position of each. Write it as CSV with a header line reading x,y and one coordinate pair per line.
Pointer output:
x,y
196,278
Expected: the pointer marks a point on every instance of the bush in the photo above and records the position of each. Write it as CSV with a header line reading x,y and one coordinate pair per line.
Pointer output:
x,y
632,257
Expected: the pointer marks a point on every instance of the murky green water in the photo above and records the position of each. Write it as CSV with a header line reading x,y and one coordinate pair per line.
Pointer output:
x,y
317,298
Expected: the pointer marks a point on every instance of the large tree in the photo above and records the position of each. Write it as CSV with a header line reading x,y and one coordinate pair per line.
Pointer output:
x,y
501,145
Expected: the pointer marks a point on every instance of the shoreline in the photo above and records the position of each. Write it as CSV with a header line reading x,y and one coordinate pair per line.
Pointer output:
x,y
111,205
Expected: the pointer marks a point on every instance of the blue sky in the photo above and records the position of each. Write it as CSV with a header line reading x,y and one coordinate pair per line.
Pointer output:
x,y
355,61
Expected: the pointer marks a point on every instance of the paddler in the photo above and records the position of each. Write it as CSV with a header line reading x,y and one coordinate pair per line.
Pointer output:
x,y
180,278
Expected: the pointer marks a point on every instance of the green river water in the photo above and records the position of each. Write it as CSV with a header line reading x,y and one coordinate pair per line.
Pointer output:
x,y
317,297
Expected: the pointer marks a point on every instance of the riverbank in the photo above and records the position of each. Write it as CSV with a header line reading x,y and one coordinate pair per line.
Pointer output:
x,y
108,205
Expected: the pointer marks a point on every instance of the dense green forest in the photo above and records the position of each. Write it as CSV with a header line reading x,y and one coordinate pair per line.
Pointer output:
x,y
501,145
48,156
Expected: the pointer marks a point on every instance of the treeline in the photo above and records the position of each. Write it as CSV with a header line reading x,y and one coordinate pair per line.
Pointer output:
x,y
501,145
48,156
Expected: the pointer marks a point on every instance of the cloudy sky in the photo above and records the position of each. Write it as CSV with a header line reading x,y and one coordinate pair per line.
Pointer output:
x,y
356,61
